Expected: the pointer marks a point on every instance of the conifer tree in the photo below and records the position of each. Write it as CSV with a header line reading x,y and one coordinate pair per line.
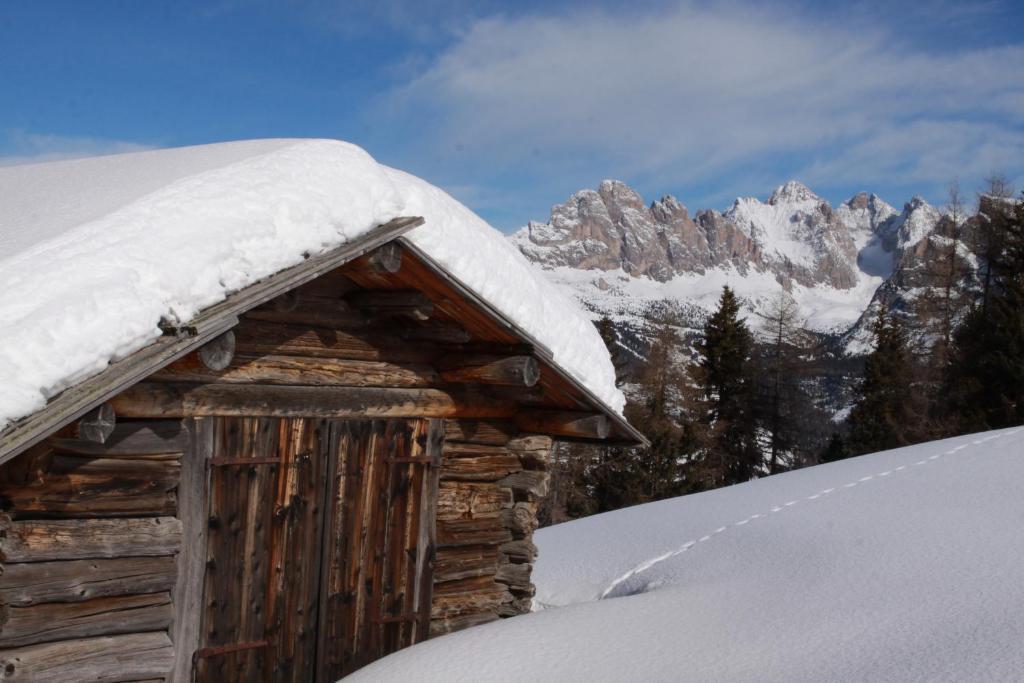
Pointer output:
x,y
723,372
985,377
883,415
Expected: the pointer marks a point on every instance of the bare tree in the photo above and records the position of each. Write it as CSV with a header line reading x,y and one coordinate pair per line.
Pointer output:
x,y
787,341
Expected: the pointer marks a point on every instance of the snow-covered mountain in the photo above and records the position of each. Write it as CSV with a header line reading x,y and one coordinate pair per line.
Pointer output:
x,y
623,258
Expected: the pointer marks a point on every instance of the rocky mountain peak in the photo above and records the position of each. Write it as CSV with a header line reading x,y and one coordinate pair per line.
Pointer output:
x,y
791,192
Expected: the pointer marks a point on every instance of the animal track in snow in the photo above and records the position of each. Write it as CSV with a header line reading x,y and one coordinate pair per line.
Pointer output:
x,y
646,565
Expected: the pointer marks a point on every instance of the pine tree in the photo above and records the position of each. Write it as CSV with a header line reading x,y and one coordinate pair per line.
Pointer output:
x,y
984,386
723,372
835,450
883,416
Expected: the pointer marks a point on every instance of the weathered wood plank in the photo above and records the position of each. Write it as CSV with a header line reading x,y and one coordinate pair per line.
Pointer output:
x,y
241,518
311,310
441,626
178,400
72,539
438,333
466,562
154,437
458,532
190,563
32,583
513,371
105,659
532,484
392,303
97,425
256,337
471,500
564,423
522,550
468,596
217,353
478,431
94,487
300,370
480,468
294,541
33,624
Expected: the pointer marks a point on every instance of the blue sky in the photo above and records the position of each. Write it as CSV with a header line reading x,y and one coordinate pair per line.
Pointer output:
x,y
513,106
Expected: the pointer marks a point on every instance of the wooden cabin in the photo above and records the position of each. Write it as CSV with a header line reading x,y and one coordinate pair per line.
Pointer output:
x,y
336,462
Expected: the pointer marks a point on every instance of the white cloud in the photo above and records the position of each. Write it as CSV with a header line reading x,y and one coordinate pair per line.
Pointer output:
x,y
695,91
23,147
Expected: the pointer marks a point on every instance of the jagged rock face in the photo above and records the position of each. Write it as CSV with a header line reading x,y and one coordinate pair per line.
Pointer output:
x,y
801,237
611,228
795,235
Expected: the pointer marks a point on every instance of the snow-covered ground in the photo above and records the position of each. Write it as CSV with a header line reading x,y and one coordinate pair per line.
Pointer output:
x,y
94,252
906,565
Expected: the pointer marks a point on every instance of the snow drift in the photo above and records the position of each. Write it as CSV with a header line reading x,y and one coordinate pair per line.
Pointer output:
x,y
94,252
904,565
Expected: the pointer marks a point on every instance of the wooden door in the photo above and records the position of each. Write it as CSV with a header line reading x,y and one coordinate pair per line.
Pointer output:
x,y
379,549
291,594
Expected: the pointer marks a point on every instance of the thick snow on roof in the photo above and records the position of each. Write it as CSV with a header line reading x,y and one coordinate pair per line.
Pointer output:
x,y
904,565
93,252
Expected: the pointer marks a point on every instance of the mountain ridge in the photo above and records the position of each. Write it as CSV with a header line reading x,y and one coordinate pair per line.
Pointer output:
x,y
622,257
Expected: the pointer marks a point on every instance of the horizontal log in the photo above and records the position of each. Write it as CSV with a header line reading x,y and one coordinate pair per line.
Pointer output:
x,y
386,258
443,625
303,371
465,562
31,583
530,483
130,657
564,423
151,399
74,539
515,576
317,311
132,438
472,450
76,486
406,303
20,626
478,431
519,605
462,532
512,371
519,551
468,500
217,353
480,468
97,424
256,337
439,333
520,519
468,596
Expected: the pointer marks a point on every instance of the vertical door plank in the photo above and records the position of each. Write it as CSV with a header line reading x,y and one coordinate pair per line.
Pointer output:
x,y
295,550
193,512
240,519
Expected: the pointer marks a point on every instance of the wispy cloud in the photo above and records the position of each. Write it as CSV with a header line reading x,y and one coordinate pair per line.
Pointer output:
x,y
24,147
694,91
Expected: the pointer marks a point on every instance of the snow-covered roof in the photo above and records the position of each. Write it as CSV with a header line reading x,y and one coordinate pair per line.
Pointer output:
x,y
897,566
95,252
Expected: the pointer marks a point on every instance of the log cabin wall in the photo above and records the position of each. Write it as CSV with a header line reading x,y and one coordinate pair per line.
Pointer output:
x,y
94,565
492,480
88,546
